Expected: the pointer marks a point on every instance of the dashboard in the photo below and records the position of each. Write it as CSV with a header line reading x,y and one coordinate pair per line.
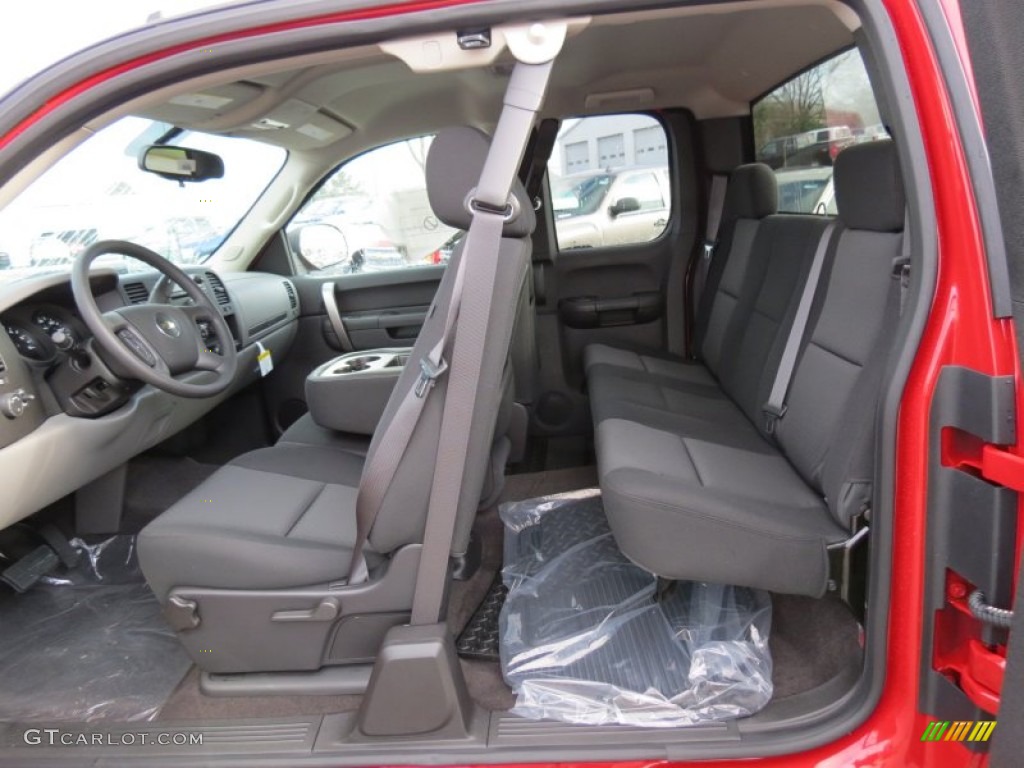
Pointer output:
x,y
68,418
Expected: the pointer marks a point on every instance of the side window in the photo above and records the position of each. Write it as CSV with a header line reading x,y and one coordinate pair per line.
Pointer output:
x,y
372,215
644,188
609,181
801,126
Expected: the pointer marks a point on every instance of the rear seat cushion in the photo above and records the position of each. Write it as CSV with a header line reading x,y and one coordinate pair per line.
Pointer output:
x,y
662,365
702,510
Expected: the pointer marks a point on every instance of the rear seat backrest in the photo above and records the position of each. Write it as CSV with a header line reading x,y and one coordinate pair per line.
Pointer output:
x,y
835,385
752,195
784,248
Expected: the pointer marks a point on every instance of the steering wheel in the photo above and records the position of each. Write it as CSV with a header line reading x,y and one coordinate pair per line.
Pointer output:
x,y
156,342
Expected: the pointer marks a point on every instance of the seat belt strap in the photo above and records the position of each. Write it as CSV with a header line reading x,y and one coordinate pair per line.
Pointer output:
x,y
775,408
716,206
523,98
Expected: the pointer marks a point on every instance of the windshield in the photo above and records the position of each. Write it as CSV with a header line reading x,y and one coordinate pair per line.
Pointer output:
x,y
97,192
578,197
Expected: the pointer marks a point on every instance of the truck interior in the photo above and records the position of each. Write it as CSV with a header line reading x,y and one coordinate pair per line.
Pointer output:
x,y
219,515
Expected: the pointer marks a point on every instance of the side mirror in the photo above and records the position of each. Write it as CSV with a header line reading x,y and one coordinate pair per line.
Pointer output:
x,y
181,163
624,205
320,245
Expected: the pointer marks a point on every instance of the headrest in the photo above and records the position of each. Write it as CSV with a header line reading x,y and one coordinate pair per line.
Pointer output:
x,y
454,163
869,189
753,192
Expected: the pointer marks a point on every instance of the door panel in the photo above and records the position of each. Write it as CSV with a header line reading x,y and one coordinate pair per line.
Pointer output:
x,y
621,289
384,309
608,276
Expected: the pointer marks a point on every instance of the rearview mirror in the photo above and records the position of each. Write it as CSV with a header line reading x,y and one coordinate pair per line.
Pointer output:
x,y
181,163
624,205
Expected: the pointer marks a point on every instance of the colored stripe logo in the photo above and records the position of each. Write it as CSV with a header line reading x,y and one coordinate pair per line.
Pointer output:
x,y
960,730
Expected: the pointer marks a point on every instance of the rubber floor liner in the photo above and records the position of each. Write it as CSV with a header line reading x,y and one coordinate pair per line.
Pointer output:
x,y
479,640
587,636
89,644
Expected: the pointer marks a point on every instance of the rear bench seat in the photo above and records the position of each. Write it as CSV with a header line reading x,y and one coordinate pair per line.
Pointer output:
x,y
696,484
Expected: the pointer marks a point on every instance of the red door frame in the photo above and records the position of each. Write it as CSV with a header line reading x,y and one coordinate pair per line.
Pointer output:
x,y
960,331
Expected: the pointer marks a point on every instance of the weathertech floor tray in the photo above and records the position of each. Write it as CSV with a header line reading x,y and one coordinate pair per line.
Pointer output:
x,y
588,637
480,639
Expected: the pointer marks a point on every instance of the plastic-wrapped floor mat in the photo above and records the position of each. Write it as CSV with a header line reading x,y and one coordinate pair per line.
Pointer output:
x,y
587,638
88,644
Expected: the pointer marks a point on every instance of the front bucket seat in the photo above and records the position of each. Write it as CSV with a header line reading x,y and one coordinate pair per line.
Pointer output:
x,y
253,565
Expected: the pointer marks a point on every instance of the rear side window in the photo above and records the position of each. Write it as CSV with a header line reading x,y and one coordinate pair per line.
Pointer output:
x,y
609,181
801,126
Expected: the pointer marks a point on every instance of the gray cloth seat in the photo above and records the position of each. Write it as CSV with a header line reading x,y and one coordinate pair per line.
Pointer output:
x,y
752,195
694,485
305,431
270,519
284,517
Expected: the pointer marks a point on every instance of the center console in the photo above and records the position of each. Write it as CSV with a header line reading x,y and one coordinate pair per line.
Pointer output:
x,y
349,393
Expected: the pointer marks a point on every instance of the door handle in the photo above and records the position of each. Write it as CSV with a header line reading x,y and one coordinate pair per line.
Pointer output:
x,y
334,316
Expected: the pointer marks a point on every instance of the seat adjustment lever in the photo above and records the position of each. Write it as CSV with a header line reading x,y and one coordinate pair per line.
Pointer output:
x,y
327,610
181,613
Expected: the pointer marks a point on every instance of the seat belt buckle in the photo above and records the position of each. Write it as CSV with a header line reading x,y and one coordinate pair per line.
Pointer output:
x,y
429,374
709,249
772,416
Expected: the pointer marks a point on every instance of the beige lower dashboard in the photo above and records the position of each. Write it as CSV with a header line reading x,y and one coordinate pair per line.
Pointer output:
x,y
65,453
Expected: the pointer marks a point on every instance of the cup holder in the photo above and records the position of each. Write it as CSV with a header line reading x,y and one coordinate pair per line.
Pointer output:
x,y
356,364
376,361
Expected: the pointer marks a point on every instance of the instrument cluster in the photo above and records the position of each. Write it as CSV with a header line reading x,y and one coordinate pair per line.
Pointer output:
x,y
41,332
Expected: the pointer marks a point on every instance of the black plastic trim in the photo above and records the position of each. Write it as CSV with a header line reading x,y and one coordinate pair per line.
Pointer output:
x,y
595,312
972,524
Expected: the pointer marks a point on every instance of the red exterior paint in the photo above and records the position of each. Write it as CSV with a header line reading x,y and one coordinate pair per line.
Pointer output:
x,y
960,331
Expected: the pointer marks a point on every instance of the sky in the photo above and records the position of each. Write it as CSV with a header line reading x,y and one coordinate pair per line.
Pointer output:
x,y
42,32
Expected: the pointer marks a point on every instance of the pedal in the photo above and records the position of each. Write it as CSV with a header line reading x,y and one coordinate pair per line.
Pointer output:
x,y
23,575
59,543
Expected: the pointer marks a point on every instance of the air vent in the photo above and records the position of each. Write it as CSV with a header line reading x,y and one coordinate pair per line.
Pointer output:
x,y
219,291
292,298
137,293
